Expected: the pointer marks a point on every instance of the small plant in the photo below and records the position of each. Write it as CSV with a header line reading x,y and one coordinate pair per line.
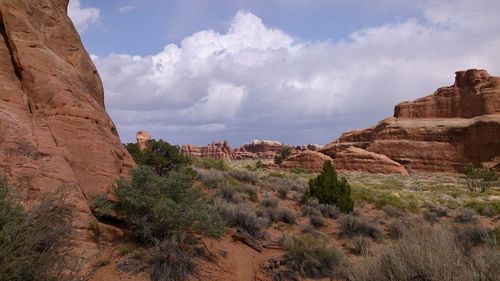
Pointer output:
x,y
268,202
241,216
284,215
282,191
352,226
361,246
282,155
392,211
312,257
316,221
479,179
250,192
228,193
245,176
466,215
328,189
258,165
34,243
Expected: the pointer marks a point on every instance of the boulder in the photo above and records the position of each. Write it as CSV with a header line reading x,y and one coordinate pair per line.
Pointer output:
x,y
310,161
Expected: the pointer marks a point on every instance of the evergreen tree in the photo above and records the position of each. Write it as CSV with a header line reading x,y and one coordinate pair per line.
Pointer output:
x,y
329,189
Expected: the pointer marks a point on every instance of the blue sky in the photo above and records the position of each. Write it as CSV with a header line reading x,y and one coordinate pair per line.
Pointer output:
x,y
297,71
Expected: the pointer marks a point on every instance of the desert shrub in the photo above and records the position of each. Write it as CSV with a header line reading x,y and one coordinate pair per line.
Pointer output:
x,y
250,192
427,252
360,246
328,189
352,226
210,163
33,244
210,177
478,179
396,228
268,202
241,216
311,256
392,211
282,155
159,155
313,208
282,191
258,164
316,221
284,215
156,207
471,235
433,213
172,260
228,193
466,215
329,211
245,176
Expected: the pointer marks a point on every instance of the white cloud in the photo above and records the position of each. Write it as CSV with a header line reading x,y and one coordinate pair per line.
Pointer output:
x,y
82,17
125,9
257,82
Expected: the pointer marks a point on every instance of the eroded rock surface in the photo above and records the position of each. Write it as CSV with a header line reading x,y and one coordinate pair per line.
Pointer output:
x,y
439,133
54,130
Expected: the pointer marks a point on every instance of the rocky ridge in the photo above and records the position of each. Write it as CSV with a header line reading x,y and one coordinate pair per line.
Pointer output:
x,y
441,132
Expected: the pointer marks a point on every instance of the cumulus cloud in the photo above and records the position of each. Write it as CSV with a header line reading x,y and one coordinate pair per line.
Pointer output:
x,y
253,81
82,17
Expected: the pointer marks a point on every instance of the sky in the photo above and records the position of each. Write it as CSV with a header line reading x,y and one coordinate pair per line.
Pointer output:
x,y
296,71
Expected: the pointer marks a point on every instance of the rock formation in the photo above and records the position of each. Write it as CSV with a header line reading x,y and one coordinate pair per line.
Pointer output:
x,y
142,138
223,151
310,161
438,133
263,148
54,130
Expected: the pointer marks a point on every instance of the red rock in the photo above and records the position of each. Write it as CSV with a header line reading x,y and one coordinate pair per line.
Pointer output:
x,y
54,130
439,133
310,161
263,148
357,159
142,138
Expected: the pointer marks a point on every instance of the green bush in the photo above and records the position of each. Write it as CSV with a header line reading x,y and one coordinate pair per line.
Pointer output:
x,y
159,155
311,256
33,244
282,155
478,179
328,189
157,207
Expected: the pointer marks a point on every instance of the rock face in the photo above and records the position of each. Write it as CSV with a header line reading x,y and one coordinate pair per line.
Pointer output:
x,y
142,138
357,159
310,161
439,133
54,130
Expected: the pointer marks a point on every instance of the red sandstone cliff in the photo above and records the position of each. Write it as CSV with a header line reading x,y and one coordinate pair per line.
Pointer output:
x,y
54,130
438,133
